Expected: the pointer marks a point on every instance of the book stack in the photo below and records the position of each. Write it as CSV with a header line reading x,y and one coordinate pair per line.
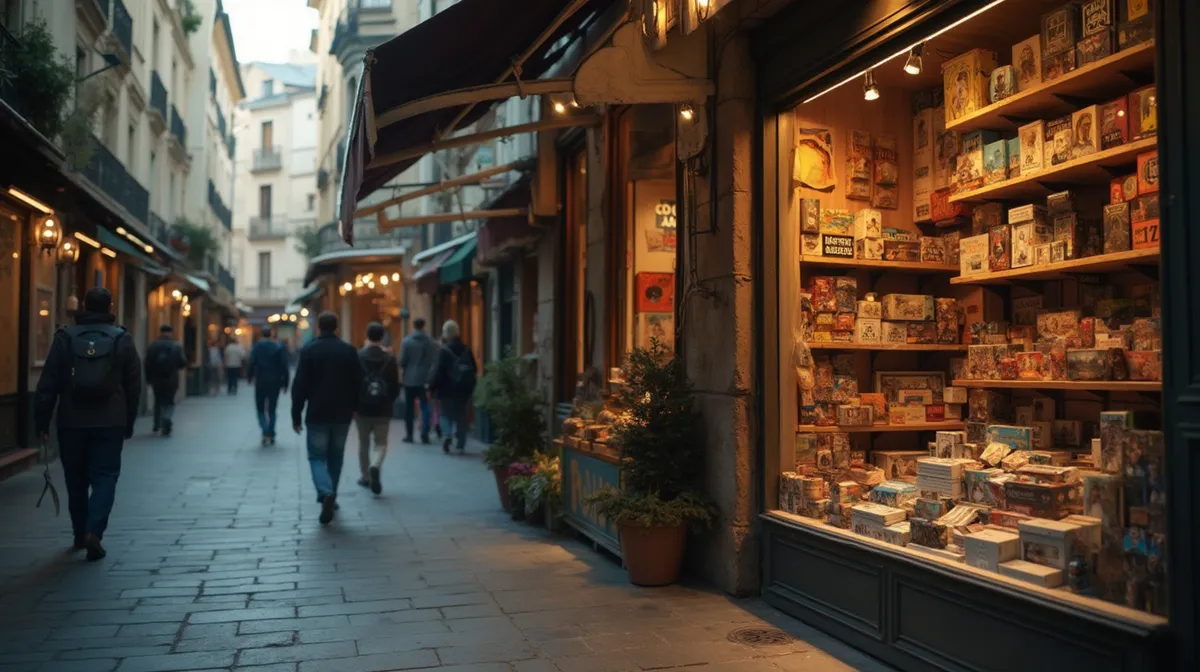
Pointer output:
x,y
942,475
872,520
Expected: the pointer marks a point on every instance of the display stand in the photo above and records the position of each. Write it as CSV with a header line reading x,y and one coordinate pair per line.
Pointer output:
x,y
583,473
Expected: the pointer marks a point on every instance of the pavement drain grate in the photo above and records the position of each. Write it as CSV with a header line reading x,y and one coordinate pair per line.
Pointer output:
x,y
760,637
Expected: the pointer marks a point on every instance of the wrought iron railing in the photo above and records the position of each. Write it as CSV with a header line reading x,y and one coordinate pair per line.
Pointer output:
x,y
225,278
366,237
159,228
122,26
218,206
158,95
178,129
263,227
107,173
267,158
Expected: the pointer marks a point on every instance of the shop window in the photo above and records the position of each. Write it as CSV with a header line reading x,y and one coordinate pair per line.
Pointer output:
x,y
12,227
969,348
576,341
45,282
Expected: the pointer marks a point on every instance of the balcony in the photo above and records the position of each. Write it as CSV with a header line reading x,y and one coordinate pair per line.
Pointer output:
x,y
366,237
107,173
122,28
178,135
225,279
375,5
269,227
267,158
271,294
218,207
159,228
158,104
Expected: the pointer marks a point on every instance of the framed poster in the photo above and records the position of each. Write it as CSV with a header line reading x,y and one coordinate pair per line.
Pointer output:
x,y
655,292
660,326
892,383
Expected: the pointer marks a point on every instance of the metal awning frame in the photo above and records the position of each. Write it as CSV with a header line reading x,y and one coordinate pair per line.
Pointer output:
x,y
475,138
386,225
473,178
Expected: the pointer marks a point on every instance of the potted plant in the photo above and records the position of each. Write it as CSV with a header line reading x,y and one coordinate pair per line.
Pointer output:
x,y
196,241
520,476
661,467
514,407
543,498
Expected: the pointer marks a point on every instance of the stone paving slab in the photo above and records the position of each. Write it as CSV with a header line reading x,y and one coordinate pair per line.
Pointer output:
x,y
216,562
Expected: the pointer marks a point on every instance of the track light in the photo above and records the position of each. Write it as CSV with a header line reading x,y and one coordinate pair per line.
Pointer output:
x,y
870,90
686,112
913,65
560,107
702,7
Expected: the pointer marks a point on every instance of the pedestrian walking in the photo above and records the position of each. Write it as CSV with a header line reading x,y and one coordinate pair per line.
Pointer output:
x,y
328,381
268,371
418,354
452,381
235,357
381,386
214,365
93,375
164,361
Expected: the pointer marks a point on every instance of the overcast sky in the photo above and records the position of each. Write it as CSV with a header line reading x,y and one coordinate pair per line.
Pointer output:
x,y
266,30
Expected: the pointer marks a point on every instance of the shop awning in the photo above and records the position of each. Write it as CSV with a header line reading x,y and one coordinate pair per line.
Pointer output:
x,y
498,235
426,277
456,49
120,244
459,266
199,283
304,297
368,255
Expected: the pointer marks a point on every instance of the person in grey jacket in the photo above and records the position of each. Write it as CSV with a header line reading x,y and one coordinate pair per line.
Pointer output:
x,y
418,354
93,376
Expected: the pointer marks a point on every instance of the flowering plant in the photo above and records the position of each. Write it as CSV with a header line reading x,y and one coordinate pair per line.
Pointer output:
x,y
521,469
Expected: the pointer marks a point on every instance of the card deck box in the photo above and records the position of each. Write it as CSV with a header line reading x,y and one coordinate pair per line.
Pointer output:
x,y
1060,250
1095,47
845,290
954,395
1025,239
999,248
908,307
824,295
985,216
966,79
933,250
1008,368
1046,577
1067,230
1027,59
1114,123
1058,65
843,321
810,244
868,248
845,388
902,250
1123,188
1014,157
1133,33
973,256
1030,366
987,549
1017,438
1040,500
898,534
854,416
1003,83
1147,333
1060,203
1032,153
1144,209
1085,132
1147,165
1041,255
810,215
895,332
950,240
824,460
993,455
868,330
1088,364
837,222
995,161
929,533
897,464
1144,364
1097,16
1058,141
945,441
1050,543
1117,232
1143,113
1027,213
1060,29
869,308
877,402
868,223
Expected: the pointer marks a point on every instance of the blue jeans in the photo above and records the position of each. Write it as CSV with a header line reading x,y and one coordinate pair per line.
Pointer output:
x,y
416,395
91,459
266,400
454,419
326,452
232,374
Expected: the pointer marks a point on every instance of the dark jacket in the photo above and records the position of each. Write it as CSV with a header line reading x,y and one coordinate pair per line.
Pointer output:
x,y
164,360
53,388
268,367
375,358
328,379
440,382
418,353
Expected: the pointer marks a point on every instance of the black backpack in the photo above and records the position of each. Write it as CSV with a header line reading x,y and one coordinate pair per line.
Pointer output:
x,y
375,395
95,375
462,373
164,359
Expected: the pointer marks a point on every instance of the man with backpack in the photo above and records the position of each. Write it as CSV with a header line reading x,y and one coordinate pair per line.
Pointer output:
x,y
418,353
452,381
164,361
93,375
328,380
268,371
381,386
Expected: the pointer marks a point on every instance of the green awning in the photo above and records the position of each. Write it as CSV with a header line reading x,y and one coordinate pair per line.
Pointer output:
x,y
120,244
458,267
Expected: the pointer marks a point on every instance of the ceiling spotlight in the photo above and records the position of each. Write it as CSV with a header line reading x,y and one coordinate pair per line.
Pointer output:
x,y
870,90
560,107
686,112
913,65
702,7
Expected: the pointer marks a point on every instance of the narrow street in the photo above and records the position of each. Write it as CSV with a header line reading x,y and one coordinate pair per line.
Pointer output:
x,y
216,561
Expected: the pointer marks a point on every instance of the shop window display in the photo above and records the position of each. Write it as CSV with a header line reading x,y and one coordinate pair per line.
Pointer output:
x,y
971,339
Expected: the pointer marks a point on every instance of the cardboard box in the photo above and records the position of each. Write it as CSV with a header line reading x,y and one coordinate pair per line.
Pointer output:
x,y
1058,141
810,244
845,291
954,395
1143,113
836,222
869,308
966,80
922,333
868,330
1085,131
1013,436
837,246
1003,83
902,250
933,250
810,215
1040,575
1057,65
1114,123
868,248
1033,152
1060,29
1133,33
897,464
914,307
868,223
1027,59
973,255
1050,543
1095,47
970,167
995,161
985,216
1027,213
1025,239
895,332
1098,16
1088,364
1117,231
1123,188
852,415
1030,366
1040,500
1144,364
1147,164
1014,157
929,533
999,248
987,549
885,192
945,213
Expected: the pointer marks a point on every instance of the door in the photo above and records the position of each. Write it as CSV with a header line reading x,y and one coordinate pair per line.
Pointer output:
x,y
264,202
268,134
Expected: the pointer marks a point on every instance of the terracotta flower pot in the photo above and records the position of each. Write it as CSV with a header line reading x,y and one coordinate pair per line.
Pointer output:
x,y
501,474
518,508
653,555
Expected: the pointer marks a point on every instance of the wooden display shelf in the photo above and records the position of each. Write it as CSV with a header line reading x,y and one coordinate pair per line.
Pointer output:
x,y
1090,169
949,425
876,265
1100,81
886,347
1114,262
1084,385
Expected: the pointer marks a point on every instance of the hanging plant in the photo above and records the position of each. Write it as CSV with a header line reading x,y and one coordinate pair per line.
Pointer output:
x,y
78,142
308,241
191,20
196,241
40,76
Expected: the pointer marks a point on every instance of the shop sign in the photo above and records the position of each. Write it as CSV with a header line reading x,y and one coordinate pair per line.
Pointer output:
x,y
664,215
583,475
837,246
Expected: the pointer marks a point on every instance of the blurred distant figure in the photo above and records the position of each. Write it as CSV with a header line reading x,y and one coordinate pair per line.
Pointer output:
x,y
268,370
215,363
452,381
164,361
418,354
94,377
235,357
381,386
328,380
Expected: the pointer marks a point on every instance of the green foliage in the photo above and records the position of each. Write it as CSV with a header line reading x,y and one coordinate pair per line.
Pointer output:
x,y
78,142
518,486
308,241
191,24
545,486
41,77
662,452
201,242
514,407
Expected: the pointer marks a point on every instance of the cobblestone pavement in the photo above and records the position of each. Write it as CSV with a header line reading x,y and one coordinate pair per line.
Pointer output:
x,y
216,561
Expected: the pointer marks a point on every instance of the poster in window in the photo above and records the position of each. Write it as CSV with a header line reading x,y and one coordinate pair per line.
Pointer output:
x,y
814,159
655,292
660,240
657,326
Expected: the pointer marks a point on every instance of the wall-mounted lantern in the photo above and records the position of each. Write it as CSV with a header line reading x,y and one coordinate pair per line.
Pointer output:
x,y
48,233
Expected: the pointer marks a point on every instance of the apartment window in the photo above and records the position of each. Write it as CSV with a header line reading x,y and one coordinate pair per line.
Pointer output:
x,y
81,64
268,134
312,202
171,197
264,201
268,87
264,270
153,179
130,141
154,47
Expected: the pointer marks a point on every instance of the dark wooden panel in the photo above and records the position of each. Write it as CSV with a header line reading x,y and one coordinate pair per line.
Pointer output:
x,y
832,584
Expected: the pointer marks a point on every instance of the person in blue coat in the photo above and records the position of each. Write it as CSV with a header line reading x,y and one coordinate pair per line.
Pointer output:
x,y
268,371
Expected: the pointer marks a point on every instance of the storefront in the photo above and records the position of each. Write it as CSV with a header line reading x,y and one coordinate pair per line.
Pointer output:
x,y
965,461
